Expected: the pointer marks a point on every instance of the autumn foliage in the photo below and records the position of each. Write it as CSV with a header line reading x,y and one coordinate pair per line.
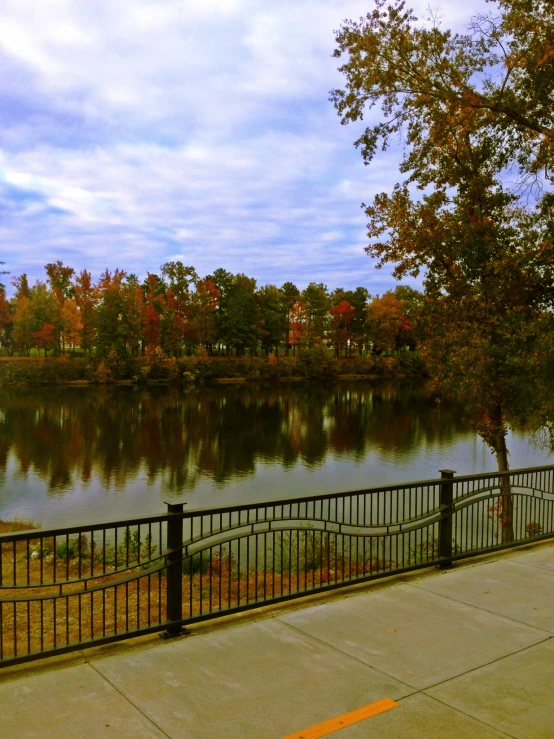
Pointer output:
x,y
181,314
470,108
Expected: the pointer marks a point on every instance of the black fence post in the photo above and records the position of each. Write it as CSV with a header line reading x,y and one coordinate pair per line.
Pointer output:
x,y
174,578
445,523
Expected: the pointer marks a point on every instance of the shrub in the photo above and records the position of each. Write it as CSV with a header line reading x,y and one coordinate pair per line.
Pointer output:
x,y
427,550
534,529
288,367
69,548
198,563
102,373
132,546
318,364
358,365
411,364
49,371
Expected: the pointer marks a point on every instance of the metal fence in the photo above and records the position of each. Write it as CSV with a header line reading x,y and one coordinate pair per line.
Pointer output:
x,y
64,589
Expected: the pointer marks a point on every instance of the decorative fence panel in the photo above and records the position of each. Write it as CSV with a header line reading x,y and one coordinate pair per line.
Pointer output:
x,y
64,589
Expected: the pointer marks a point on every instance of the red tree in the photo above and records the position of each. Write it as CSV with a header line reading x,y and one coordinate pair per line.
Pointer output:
x,y
45,338
341,320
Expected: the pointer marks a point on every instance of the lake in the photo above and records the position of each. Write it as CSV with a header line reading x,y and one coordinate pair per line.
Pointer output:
x,y
85,455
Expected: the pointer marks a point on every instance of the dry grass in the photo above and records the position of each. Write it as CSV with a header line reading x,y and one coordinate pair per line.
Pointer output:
x,y
68,613
7,527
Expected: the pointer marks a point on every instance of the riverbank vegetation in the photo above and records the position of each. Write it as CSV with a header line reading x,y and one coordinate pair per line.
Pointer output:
x,y
157,368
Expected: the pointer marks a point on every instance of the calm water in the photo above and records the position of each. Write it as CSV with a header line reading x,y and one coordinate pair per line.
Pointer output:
x,y
83,455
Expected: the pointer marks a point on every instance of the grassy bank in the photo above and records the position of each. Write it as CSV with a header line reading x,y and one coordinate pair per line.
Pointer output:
x,y
315,364
212,581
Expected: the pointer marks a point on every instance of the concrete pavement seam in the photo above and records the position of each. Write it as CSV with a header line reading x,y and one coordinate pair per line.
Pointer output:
x,y
128,700
486,610
492,662
349,656
473,718
417,691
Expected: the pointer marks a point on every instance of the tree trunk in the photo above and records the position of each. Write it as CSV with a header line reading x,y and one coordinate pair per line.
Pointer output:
x,y
506,509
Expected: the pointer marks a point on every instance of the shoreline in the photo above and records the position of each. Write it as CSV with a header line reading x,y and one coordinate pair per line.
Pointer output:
x,y
189,371
212,381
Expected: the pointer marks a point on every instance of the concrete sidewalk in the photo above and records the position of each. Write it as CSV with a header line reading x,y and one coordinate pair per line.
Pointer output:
x,y
466,653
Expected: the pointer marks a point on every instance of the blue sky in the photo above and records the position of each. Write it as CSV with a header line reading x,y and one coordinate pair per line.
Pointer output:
x,y
134,133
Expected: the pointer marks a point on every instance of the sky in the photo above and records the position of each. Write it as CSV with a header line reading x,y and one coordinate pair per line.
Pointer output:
x,y
134,133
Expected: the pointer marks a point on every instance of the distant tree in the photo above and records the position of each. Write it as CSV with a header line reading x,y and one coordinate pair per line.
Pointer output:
x,y
412,299
273,319
358,326
45,310
317,301
71,322
152,327
180,279
386,320
44,338
298,324
223,282
290,294
22,288
6,321
132,314
239,319
60,277
154,301
110,327
171,325
22,335
342,315
86,298
206,304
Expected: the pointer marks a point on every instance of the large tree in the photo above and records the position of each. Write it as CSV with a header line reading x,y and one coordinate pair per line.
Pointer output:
x,y
498,77
468,107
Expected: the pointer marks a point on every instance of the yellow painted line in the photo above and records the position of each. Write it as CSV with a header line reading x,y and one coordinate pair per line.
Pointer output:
x,y
347,719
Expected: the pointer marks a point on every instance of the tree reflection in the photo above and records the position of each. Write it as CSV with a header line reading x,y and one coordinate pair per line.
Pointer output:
x,y
70,435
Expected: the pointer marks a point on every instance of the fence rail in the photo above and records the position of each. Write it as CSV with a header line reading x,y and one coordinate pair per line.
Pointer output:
x,y
64,589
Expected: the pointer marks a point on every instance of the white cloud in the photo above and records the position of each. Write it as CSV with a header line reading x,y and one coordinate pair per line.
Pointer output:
x,y
137,130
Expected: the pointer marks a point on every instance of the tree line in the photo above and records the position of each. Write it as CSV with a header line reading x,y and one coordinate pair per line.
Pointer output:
x,y
179,313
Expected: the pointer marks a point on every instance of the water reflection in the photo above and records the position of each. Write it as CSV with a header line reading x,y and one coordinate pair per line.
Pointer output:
x,y
69,435
64,442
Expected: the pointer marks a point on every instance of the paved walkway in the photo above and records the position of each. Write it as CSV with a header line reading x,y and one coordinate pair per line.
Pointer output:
x,y
465,653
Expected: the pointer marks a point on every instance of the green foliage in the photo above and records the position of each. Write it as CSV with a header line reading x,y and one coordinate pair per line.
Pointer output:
x,y
303,550
68,549
198,563
134,546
